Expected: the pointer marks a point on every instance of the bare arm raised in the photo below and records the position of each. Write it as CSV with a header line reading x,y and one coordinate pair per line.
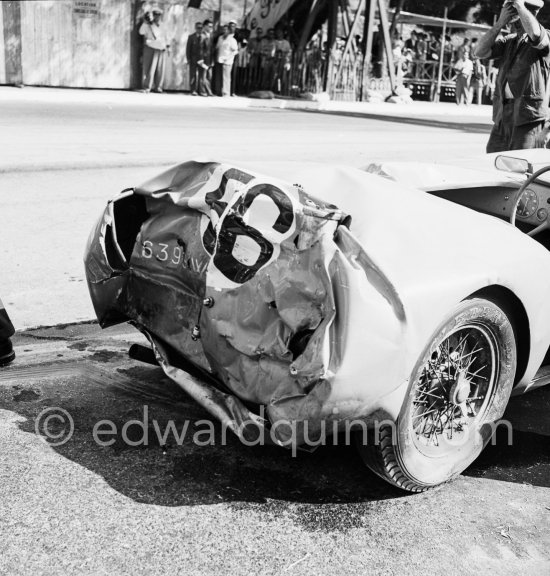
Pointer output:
x,y
485,43
529,22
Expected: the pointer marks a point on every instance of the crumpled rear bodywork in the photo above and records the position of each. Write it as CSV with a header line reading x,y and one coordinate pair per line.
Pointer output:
x,y
253,281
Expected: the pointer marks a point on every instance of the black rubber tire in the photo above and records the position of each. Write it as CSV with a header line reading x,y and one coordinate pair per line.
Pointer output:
x,y
391,452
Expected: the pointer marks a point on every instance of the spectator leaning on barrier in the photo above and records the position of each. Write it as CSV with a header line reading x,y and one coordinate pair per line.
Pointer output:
x,y
193,54
520,104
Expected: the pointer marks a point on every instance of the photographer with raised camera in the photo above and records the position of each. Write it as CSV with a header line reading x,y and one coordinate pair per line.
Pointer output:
x,y
520,104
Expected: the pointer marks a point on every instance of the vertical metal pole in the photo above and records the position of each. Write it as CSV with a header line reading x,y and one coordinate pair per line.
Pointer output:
x,y
384,24
370,10
396,15
331,38
350,40
441,56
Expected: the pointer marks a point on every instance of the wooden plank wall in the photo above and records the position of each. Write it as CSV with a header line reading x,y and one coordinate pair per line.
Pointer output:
x,y
11,26
60,45
63,47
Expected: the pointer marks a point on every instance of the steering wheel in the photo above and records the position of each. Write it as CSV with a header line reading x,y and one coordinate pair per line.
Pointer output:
x,y
517,199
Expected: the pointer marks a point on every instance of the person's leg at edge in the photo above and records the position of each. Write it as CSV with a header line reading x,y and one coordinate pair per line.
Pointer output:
x,y
147,62
7,354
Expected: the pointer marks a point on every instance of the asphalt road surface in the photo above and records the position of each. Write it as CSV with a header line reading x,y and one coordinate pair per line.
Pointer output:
x,y
221,508
194,507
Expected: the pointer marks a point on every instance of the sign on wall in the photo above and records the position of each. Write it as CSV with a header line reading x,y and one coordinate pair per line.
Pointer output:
x,y
85,8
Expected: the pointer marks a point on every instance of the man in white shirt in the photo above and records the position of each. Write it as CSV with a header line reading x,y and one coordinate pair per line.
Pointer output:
x,y
520,102
226,50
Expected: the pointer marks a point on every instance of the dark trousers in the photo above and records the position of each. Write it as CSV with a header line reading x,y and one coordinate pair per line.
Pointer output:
x,y
462,89
217,74
6,327
153,68
505,136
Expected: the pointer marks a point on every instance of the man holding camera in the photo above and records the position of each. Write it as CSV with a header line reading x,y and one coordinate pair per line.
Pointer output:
x,y
520,103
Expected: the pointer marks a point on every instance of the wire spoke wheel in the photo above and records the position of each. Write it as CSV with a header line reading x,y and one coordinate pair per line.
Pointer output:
x,y
457,390
454,387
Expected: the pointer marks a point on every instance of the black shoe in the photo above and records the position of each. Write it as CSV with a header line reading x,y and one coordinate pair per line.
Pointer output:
x,y
7,354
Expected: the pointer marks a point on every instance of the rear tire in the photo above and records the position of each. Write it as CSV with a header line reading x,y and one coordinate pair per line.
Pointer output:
x,y
458,389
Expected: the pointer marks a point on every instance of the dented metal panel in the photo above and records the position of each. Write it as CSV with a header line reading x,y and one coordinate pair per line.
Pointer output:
x,y
252,279
289,314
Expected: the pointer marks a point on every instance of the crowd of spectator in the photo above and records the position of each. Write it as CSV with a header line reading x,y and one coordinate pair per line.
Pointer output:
x,y
234,60
470,74
238,61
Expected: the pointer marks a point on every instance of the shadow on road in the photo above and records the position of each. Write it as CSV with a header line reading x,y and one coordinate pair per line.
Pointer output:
x,y
469,127
180,473
184,472
523,456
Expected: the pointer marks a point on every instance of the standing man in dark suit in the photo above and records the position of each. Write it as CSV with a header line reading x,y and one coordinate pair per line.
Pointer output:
x,y
6,332
193,54
520,103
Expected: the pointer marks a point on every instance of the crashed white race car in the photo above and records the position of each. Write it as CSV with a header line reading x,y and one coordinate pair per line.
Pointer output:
x,y
338,299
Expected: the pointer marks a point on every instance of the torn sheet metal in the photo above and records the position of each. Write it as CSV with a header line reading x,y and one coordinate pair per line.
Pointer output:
x,y
253,280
